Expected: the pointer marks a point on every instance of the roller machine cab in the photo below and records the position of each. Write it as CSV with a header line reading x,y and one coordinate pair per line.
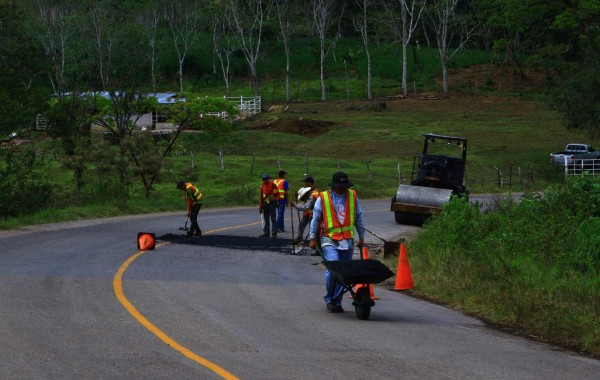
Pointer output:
x,y
435,178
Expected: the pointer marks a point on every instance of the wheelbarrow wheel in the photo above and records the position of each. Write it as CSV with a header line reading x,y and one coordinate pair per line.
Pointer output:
x,y
363,303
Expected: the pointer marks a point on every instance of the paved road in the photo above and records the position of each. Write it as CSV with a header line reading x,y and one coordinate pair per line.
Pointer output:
x,y
228,304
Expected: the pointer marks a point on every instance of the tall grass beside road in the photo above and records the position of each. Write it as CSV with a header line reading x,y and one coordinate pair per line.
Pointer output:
x,y
533,266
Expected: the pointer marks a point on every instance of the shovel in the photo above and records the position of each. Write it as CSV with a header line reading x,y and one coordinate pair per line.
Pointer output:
x,y
185,227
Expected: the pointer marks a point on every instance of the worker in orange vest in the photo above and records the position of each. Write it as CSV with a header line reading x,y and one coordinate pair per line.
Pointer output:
x,y
337,213
267,206
283,187
194,199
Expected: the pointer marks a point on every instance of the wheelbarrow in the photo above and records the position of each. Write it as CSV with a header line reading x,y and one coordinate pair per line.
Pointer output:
x,y
358,272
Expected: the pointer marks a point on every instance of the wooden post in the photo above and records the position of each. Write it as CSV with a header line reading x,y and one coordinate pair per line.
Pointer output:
x,y
306,164
369,171
500,179
193,162
222,158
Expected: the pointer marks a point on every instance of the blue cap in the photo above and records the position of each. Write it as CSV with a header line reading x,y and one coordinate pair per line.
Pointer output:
x,y
266,176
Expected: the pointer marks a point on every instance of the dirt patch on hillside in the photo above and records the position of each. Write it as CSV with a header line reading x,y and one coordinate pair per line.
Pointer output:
x,y
497,77
299,126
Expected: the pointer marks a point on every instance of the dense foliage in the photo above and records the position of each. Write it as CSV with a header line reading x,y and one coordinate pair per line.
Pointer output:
x,y
532,265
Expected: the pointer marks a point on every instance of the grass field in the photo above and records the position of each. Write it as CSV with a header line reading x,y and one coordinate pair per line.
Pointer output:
x,y
374,141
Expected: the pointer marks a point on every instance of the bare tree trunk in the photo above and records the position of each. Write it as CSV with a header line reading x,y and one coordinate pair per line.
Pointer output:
x,y
57,31
183,21
247,19
322,13
150,22
285,11
445,82
404,70
361,24
448,30
409,15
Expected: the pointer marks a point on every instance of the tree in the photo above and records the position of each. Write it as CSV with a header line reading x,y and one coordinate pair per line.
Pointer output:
x,y
68,120
322,12
183,19
224,42
404,19
285,13
578,97
361,24
247,19
22,68
149,20
56,24
450,30
114,44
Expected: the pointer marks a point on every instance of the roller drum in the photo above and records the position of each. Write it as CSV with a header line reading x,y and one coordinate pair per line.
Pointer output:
x,y
423,197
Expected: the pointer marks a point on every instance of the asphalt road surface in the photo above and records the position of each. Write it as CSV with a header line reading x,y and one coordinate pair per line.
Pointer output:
x,y
78,300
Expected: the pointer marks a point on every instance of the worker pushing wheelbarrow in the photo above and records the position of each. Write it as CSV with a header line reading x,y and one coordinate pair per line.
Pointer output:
x,y
336,214
359,275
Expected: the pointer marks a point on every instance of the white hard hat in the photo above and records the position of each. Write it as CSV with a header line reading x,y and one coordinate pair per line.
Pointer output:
x,y
302,192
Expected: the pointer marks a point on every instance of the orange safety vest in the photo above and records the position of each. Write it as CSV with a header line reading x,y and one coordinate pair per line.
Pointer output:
x,y
315,194
196,194
330,225
269,192
279,183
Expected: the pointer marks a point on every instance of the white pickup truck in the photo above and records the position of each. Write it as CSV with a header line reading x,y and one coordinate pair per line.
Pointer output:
x,y
574,152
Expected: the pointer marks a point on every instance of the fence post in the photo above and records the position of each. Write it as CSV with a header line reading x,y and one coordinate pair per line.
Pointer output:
x,y
369,171
399,175
193,162
529,175
306,163
278,164
500,179
222,158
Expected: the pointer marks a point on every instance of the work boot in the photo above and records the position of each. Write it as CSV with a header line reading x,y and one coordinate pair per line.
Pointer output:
x,y
332,308
274,235
263,235
190,233
198,233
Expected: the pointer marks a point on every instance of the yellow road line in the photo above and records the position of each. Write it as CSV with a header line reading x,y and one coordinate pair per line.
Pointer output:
x,y
118,289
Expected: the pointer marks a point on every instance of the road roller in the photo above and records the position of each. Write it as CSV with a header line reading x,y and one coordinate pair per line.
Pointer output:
x,y
437,174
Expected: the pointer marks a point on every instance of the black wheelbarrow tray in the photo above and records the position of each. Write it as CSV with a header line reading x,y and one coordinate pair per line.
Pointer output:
x,y
359,272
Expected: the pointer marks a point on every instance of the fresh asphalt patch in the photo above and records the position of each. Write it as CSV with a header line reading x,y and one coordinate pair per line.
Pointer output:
x,y
231,242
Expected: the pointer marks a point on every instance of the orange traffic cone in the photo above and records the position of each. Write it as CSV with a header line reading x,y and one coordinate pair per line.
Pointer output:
x,y
404,279
146,241
365,256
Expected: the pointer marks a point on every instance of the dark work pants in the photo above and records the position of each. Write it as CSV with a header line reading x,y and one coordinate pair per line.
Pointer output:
x,y
195,228
269,215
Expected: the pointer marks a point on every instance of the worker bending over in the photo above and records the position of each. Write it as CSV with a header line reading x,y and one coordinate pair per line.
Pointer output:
x,y
194,199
